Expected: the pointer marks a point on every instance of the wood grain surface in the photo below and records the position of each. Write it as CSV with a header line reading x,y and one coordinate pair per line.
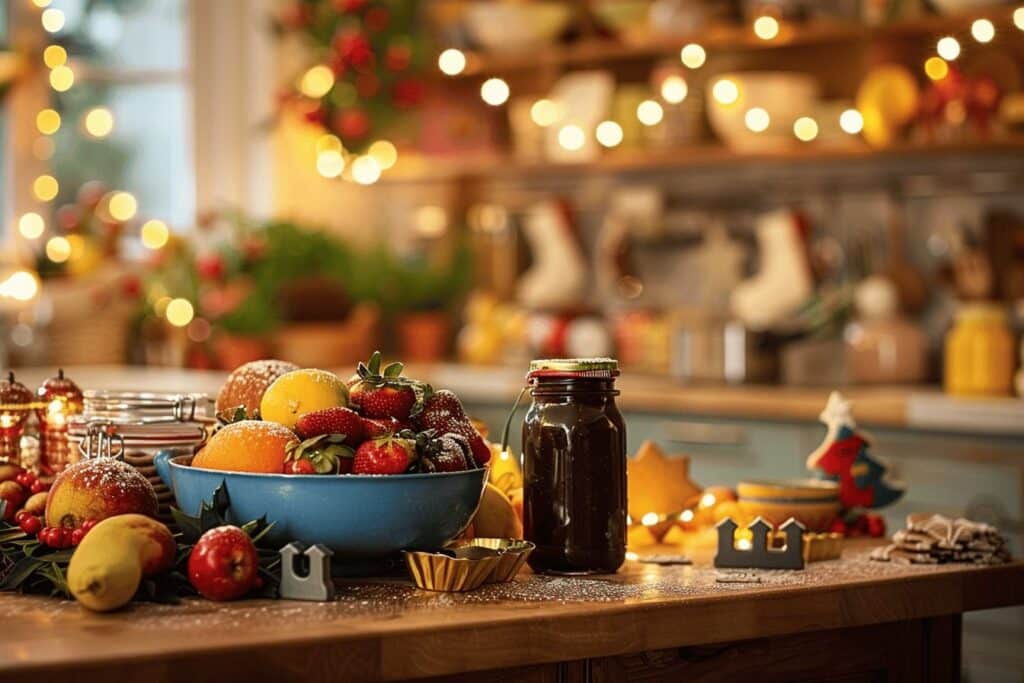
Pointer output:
x,y
386,629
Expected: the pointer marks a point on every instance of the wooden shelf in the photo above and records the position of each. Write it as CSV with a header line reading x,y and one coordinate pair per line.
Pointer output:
x,y
430,169
732,38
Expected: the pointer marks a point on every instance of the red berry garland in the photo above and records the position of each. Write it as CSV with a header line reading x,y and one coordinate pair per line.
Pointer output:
x,y
374,52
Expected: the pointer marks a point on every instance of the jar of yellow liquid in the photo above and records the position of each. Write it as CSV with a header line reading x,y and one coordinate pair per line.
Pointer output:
x,y
979,352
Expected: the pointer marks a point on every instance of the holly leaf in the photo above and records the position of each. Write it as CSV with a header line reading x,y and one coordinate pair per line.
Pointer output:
x,y
189,526
22,570
221,500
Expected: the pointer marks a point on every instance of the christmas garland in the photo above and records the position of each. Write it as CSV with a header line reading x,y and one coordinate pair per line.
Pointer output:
x,y
367,68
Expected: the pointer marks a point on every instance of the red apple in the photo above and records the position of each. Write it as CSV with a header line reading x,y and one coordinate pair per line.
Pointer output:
x,y
224,564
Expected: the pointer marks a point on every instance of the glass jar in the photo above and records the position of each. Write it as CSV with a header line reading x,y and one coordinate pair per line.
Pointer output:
x,y
135,427
574,467
979,352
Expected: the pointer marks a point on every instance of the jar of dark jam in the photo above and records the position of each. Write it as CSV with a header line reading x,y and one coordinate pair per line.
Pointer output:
x,y
574,467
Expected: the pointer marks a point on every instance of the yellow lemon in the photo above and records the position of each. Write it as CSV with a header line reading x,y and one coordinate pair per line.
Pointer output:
x,y
296,393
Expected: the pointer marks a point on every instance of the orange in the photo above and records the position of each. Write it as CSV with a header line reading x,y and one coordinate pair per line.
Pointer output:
x,y
247,446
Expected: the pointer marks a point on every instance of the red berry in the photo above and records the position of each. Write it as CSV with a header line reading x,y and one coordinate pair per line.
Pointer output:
x,y
26,479
87,525
76,536
31,525
45,536
20,516
64,535
876,526
838,526
38,486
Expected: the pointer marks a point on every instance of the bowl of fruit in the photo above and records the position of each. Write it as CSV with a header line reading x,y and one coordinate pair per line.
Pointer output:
x,y
368,467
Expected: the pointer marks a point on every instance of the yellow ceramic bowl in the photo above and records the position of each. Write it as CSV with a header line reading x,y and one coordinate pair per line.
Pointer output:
x,y
812,502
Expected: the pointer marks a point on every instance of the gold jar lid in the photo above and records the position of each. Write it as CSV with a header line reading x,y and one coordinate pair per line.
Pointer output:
x,y
574,367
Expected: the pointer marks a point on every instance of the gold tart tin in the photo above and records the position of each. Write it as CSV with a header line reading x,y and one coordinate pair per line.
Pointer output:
x,y
513,554
453,571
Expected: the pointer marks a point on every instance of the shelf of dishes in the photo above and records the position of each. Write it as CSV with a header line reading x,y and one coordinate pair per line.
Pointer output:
x,y
719,37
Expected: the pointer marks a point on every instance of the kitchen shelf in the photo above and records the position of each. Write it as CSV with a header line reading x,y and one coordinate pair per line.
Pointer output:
x,y
431,169
731,37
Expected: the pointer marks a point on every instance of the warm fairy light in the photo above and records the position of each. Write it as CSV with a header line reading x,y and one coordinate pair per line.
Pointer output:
x,y
674,89
53,20
693,56
743,544
41,4
385,153
545,112
62,78
122,206
948,48
725,91
58,249
757,119
451,62
631,556
31,225
609,134
160,305
571,137
42,148
330,163
649,519
766,27
317,81
708,500
851,121
99,121
54,56
45,187
48,121
1018,18
494,92
936,68
983,30
805,128
21,285
328,143
179,312
430,221
154,234
686,516
650,113
365,170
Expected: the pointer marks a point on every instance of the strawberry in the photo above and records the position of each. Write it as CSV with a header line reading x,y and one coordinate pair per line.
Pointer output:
x,y
387,455
374,429
301,466
338,420
322,454
443,412
385,393
438,453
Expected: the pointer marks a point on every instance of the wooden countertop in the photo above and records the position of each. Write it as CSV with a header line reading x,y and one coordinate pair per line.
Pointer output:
x,y
918,407
386,629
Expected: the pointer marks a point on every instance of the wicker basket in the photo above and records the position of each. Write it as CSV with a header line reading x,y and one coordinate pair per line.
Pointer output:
x,y
91,319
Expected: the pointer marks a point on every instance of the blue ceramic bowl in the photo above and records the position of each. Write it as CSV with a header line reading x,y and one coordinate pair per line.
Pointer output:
x,y
357,516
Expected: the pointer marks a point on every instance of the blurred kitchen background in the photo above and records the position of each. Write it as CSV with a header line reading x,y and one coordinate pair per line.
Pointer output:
x,y
748,203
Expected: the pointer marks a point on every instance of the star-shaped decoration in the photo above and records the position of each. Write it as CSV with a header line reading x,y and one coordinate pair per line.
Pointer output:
x,y
658,483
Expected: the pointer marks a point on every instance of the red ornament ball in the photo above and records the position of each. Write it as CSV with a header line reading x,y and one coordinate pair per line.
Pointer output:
x,y
354,49
353,124
408,93
377,19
